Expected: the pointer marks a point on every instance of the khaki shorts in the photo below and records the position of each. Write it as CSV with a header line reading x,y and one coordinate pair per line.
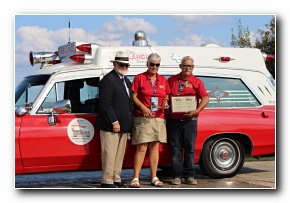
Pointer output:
x,y
149,130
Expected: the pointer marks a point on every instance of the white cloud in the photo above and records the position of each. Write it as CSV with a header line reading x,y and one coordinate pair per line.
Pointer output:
x,y
152,42
128,25
253,36
256,35
186,23
201,19
34,38
193,40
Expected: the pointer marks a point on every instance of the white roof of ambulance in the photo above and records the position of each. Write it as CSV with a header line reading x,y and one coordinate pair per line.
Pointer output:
x,y
205,58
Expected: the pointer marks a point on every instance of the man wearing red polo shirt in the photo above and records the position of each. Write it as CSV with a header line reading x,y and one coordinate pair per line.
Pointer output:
x,y
183,126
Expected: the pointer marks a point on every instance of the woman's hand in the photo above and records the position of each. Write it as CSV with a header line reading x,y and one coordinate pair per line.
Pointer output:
x,y
165,104
146,112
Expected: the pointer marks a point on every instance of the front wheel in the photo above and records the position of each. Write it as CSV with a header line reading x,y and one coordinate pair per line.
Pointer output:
x,y
222,157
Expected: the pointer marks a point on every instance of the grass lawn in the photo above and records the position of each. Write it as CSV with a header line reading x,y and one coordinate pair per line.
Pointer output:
x,y
264,158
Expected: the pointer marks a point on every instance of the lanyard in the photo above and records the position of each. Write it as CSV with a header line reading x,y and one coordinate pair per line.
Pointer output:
x,y
181,87
154,88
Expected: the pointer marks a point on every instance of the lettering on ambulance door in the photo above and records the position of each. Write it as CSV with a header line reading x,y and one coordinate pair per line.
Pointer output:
x,y
73,140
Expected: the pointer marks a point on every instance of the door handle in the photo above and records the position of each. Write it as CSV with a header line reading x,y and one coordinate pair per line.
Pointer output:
x,y
265,115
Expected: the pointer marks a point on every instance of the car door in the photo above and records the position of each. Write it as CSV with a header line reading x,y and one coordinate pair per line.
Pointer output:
x,y
73,142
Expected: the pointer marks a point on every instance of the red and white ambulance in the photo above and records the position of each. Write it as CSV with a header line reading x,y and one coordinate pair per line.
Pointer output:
x,y
56,107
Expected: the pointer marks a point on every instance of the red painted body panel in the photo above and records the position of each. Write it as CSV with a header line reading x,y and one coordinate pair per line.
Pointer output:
x,y
18,160
40,147
248,122
45,147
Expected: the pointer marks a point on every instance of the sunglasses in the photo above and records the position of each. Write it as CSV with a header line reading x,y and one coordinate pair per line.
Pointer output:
x,y
187,66
124,65
155,64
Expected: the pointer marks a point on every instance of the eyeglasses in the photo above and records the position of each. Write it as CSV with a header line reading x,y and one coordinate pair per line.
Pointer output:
x,y
155,64
124,65
187,66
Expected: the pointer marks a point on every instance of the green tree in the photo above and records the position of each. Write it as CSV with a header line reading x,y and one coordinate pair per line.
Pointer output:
x,y
243,39
267,44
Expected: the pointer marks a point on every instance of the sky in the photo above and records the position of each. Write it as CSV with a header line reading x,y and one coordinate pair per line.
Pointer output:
x,y
50,32
46,32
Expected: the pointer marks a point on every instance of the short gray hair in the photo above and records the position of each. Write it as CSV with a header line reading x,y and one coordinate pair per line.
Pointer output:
x,y
185,58
153,57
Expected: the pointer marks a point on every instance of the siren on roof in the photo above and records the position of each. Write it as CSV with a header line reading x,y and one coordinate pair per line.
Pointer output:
x,y
140,38
210,45
42,57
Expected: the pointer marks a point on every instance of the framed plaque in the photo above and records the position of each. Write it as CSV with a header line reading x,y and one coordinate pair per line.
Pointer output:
x,y
182,103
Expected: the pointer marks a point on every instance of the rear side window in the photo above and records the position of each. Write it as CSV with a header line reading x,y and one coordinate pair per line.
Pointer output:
x,y
228,92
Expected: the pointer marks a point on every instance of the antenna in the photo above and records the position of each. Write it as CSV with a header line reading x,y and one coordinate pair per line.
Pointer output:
x,y
68,29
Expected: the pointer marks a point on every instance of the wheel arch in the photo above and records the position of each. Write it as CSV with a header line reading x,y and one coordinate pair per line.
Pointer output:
x,y
243,138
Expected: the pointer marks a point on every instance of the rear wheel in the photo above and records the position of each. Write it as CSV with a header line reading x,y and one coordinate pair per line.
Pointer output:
x,y
222,157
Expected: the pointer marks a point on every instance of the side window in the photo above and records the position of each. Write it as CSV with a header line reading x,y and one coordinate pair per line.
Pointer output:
x,y
51,98
82,93
88,92
228,92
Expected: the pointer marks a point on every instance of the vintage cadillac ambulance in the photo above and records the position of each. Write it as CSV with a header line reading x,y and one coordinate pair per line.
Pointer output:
x,y
56,107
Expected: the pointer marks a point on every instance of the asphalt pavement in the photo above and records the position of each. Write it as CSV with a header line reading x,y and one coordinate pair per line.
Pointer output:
x,y
258,174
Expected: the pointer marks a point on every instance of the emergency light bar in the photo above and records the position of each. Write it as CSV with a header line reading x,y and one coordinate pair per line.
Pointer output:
x,y
70,51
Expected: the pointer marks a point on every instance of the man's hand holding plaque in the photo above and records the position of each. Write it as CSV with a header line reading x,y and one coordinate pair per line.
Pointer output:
x,y
183,104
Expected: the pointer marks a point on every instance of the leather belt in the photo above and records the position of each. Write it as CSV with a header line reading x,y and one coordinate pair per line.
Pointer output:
x,y
188,119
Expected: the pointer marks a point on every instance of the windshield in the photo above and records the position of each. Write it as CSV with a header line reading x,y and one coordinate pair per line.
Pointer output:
x,y
28,90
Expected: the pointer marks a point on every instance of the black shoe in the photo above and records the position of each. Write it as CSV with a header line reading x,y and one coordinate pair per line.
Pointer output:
x,y
120,184
103,185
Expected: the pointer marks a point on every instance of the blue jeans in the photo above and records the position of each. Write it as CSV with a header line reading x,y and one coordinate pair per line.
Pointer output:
x,y
182,135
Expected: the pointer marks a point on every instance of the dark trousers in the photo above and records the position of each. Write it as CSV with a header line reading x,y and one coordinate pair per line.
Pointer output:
x,y
182,134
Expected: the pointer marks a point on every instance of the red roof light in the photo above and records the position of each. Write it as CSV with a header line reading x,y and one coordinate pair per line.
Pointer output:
x,y
84,47
224,59
80,58
55,62
269,57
